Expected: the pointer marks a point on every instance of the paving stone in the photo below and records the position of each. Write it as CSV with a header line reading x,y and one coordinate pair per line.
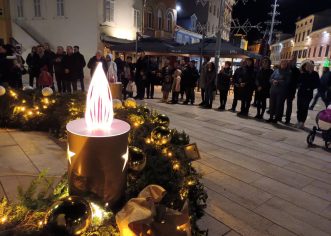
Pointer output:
x,y
319,189
6,139
216,228
232,233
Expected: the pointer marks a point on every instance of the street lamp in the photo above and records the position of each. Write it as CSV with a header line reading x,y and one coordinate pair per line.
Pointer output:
x,y
178,8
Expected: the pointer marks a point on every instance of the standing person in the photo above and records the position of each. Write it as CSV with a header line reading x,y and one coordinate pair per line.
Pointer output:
x,y
15,74
210,85
42,60
31,61
127,76
93,62
140,77
151,81
237,77
223,84
69,70
292,89
279,89
5,64
166,81
202,80
176,86
321,93
120,66
59,69
112,69
190,78
263,87
308,81
50,55
182,65
246,87
80,63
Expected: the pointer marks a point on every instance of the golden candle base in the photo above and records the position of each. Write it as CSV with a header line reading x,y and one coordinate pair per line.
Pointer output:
x,y
116,90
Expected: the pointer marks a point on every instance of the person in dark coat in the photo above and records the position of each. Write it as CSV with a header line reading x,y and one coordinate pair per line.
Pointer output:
x,y
237,77
246,87
223,84
5,64
210,84
51,56
308,81
279,80
141,75
59,69
93,62
262,83
70,73
42,60
190,78
292,89
321,92
152,80
80,63
31,60
202,80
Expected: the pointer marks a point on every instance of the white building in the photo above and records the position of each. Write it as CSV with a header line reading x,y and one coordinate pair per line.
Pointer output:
x,y
75,22
214,15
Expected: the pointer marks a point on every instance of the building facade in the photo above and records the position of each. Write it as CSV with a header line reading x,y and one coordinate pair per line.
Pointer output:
x,y
214,16
5,25
281,50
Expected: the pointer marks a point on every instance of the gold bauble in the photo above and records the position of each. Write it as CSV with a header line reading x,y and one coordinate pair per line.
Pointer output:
x,y
137,159
136,120
117,104
2,90
161,135
71,215
47,91
162,120
130,103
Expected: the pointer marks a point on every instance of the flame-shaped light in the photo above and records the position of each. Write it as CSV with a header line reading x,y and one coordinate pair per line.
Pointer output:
x,y
99,112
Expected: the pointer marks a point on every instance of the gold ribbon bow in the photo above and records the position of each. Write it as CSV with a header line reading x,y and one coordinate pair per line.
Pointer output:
x,y
137,218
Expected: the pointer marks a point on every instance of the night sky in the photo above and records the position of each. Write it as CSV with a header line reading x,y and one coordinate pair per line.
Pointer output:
x,y
289,10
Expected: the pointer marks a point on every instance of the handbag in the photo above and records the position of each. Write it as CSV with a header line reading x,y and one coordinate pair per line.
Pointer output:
x,y
131,87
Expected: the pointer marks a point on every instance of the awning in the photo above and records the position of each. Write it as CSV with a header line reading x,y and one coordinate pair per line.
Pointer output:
x,y
113,40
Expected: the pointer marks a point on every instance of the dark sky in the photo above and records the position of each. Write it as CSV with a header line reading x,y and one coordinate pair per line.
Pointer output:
x,y
289,11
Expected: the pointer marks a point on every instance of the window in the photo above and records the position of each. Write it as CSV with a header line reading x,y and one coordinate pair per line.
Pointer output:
x,y
212,29
210,8
320,52
149,20
327,50
159,19
311,20
60,7
109,10
214,10
295,54
309,51
169,22
306,23
218,12
300,54
303,36
308,32
37,8
20,8
315,49
299,36
137,20
304,53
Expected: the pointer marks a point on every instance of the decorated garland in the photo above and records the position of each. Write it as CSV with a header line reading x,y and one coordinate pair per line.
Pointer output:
x,y
156,157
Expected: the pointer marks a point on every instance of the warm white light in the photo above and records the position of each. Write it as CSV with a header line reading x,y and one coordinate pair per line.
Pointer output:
x,y
99,112
97,211
70,154
126,158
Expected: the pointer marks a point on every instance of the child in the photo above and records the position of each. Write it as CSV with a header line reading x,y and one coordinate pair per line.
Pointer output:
x,y
45,78
176,86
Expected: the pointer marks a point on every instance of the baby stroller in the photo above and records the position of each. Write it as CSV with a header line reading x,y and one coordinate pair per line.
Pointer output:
x,y
323,122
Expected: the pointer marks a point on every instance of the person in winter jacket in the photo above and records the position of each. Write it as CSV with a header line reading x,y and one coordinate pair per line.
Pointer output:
x,y
202,80
292,89
210,85
70,73
237,77
93,62
246,87
176,86
190,78
31,61
166,81
279,88
112,69
262,83
80,63
223,84
59,69
308,81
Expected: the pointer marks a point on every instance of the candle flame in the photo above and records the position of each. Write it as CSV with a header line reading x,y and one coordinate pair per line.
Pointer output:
x,y
99,112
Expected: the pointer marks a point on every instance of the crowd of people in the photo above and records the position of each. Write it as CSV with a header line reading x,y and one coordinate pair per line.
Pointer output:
x,y
178,79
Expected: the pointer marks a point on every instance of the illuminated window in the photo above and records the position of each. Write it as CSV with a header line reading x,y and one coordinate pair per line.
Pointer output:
x,y
327,50
109,10
137,20
20,8
149,20
60,7
37,8
169,22
320,52
159,19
